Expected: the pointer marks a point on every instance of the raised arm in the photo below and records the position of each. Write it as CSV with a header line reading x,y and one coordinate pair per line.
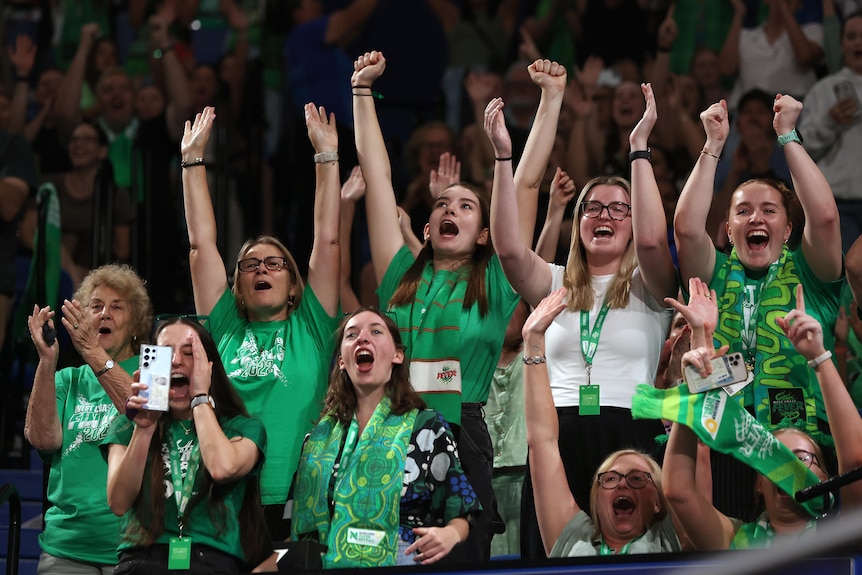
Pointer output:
x,y
177,90
551,78
562,192
649,225
384,233
806,334
42,426
324,266
527,272
694,246
821,240
21,55
209,279
706,527
729,58
126,463
68,98
226,459
352,191
555,504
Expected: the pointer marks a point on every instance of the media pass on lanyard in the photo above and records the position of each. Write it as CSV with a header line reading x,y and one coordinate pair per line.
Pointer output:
x,y
180,553
588,399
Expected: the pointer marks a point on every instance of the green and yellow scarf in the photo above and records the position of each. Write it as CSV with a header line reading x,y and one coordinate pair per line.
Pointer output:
x,y
759,535
784,388
357,514
726,427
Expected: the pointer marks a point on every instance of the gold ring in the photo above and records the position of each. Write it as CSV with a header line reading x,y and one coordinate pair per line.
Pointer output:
x,y
75,326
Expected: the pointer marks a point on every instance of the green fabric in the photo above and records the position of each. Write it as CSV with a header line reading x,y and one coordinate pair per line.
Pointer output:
x,y
367,492
78,524
759,534
121,152
205,527
52,239
504,415
282,385
76,13
726,427
781,376
481,337
703,23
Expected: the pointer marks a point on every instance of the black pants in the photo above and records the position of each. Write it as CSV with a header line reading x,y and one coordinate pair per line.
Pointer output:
x,y
477,458
585,441
153,560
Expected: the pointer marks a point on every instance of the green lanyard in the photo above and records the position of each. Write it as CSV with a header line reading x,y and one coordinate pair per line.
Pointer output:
x,y
590,339
183,488
749,328
605,550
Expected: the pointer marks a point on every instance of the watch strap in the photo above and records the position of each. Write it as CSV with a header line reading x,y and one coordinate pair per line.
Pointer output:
x,y
791,136
200,400
108,365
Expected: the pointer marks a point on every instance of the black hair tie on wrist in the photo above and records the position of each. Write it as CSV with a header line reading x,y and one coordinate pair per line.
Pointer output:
x,y
638,154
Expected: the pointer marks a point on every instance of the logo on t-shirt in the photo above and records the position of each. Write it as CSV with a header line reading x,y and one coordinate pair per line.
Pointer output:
x,y
253,360
91,421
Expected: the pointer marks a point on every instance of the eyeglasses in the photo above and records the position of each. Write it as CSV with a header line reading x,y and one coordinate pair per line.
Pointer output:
x,y
635,479
272,263
806,457
616,210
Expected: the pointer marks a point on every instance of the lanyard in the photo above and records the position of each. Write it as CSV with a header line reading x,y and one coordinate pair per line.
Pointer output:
x,y
749,328
590,338
605,550
183,487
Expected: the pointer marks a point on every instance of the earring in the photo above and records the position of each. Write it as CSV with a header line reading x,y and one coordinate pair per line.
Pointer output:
x,y
290,301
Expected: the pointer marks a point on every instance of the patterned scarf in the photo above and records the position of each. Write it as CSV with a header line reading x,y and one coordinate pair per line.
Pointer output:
x,y
356,513
784,388
434,339
726,427
759,535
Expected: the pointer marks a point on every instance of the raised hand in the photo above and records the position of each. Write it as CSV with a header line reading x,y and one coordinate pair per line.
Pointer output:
x,y
787,110
702,309
135,410
353,188
548,75
543,315
200,379
82,324
448,172
562,190
321,129
481,86
367,68
34,323
527,49
197,134
639,137
803,331
495,128
667,30
715,123
588,76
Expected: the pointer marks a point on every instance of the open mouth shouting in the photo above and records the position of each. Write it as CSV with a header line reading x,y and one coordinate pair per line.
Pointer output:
x,y
603,231
757,240
364,360
448,228
624,505
261,285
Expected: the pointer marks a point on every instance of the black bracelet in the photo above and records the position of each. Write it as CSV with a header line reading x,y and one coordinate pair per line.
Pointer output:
x,y
196,162
503,159
373,94
638,154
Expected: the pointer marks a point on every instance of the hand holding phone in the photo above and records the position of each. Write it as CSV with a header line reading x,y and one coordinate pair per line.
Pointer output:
x,y
155,364
726,370
844,90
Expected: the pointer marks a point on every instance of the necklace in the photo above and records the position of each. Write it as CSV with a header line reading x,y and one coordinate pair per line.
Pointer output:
x,y
189,430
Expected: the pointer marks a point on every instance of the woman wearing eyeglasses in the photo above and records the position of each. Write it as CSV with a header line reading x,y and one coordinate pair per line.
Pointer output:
x,y
629,512
609,337
273,333
778,514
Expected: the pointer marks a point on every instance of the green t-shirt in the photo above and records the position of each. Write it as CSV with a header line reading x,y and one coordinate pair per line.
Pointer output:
x,y
221,533
280,370
481,337
79,525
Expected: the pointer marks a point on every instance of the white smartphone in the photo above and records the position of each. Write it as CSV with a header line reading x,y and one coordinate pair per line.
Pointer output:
x,y
844,90
155,367
726,369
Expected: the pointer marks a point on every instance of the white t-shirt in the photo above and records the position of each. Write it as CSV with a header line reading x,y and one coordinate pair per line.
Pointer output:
x,y
629,345
772,67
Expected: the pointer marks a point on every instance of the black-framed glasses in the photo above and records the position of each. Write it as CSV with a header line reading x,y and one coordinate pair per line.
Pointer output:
x,y
616,210
272,263
807,458
636,479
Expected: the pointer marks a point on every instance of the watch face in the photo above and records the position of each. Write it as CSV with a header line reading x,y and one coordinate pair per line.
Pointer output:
x,y
109,364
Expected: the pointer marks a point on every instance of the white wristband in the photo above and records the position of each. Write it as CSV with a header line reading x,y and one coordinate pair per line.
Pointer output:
x,y
819,359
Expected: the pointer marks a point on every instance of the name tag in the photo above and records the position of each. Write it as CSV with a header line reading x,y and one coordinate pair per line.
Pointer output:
x,y
436,376
367,537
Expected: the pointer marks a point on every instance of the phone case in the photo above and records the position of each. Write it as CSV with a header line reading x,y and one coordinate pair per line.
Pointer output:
x,y
155,366
726,369
844,90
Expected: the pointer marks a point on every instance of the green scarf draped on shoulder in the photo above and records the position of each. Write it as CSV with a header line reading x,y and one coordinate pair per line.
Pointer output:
x,y
759,535
784,388
434,339
358,520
